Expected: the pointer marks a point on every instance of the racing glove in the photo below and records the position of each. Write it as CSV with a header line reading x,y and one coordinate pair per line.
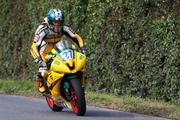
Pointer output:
x,y
41,63
84,51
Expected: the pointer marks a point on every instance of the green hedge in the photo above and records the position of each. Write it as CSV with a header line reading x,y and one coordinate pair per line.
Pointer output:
x,y
134,44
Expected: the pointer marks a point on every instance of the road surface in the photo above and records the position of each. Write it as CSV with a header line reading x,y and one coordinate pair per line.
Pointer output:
x,y
27,108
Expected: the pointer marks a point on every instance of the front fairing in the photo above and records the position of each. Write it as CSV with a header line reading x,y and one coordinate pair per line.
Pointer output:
x,y
73,65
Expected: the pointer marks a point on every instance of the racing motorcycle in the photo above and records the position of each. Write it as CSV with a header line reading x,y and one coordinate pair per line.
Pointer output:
x,y
65,81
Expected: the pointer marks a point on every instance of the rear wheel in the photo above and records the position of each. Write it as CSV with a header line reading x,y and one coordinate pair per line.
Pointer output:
x,y
53,106
78,97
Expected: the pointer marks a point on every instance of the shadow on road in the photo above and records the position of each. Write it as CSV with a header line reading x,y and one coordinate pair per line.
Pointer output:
x,y
101,113
95,114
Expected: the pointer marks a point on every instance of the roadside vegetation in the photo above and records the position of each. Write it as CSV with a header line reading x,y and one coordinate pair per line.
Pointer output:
x,y
123,103
134,46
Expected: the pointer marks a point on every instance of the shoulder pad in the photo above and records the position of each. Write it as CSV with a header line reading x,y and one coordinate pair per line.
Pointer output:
x,y
41,28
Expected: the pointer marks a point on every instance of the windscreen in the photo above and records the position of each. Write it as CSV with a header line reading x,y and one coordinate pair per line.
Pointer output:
x,y
63,50
63,44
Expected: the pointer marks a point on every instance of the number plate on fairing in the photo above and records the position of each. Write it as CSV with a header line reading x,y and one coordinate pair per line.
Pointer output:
x,y
67,54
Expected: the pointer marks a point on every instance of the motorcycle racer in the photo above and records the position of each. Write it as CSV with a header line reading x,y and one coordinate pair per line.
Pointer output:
x,y
47,35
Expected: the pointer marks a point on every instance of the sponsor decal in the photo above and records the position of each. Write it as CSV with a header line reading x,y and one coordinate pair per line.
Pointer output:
x,y
56,62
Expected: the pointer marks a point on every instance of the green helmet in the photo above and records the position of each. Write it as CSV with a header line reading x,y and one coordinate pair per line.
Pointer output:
x,y
55,19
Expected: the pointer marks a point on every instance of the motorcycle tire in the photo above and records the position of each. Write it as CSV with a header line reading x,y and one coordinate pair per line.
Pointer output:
x,y
78,97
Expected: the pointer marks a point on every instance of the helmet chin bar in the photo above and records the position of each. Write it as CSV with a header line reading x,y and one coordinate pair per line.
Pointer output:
x,y
55,28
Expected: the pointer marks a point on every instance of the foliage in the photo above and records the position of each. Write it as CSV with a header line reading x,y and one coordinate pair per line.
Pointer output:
x,y
134,44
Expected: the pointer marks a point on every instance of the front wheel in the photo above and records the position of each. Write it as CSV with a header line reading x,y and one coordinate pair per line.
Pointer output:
x,y
78,97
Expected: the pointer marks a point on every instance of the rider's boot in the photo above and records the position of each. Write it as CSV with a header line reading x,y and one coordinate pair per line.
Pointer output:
x,y
40,84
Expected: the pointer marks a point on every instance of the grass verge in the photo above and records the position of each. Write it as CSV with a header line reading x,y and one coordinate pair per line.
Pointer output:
x,y
123,103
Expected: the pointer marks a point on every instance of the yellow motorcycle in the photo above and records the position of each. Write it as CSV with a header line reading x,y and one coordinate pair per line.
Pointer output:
x,y
65,80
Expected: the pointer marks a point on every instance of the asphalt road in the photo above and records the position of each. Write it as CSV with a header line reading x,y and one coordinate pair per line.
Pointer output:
x,y
27,108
